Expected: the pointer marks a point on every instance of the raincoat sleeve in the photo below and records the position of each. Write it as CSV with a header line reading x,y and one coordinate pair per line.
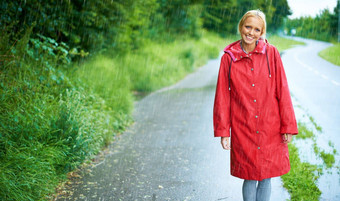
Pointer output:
x,y
287,115
221,113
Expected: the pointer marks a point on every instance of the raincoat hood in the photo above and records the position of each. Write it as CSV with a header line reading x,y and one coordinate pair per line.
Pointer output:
x,y
236,52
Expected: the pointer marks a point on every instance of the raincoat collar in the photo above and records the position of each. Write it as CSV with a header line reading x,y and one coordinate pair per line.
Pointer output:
x,y
236,52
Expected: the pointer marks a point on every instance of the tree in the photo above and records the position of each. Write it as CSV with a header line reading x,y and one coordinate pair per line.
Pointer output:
x,y
282,11
222,15
321,27
219,16
179,16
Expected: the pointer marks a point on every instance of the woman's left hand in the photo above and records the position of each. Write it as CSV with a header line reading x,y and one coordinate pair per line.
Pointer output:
x,y
287,138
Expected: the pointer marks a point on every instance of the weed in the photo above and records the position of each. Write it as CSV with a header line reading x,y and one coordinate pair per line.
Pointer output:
x,y
304,132
316,149
317,127
301,180
328,159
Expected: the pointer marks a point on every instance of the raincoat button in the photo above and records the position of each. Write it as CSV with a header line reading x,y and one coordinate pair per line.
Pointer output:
x,y
257,131
241,57
258,147
252,69
253,85
255,101
256,116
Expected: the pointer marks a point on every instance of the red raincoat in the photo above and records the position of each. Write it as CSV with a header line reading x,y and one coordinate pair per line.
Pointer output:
x,y
257,110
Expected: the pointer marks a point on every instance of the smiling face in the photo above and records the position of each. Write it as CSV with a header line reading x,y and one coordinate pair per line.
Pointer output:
x,y
251,31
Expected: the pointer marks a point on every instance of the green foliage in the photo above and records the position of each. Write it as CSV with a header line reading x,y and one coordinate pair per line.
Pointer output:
x,y
219,16
301,180
331,54
222,16
44,48
280,11
322,27
89,26
85,25
174,18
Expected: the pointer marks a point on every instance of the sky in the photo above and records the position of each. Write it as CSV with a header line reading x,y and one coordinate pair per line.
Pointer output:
x,y
309,7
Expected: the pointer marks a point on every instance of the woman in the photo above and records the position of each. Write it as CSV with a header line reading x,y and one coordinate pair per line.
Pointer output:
x,y
254,108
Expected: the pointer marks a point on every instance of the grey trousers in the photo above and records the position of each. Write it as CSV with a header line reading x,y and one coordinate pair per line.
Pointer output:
x,y
256,190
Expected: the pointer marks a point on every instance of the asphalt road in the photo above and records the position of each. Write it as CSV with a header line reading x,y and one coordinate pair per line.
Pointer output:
x,y
169,153
315,83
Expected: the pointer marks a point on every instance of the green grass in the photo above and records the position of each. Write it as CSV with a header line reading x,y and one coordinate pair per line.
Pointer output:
x,y
159,65
301,180
283,43
47,129
328,158
304,132
109,79
332,54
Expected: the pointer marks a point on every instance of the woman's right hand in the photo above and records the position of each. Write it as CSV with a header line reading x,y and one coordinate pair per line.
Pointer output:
x,y
225,141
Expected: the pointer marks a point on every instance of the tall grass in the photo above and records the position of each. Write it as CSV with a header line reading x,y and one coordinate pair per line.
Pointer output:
x,y
148,69
159,65
47,128
109,79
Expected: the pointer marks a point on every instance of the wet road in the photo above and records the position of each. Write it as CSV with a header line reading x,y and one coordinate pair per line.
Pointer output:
x,y
315,84
169,153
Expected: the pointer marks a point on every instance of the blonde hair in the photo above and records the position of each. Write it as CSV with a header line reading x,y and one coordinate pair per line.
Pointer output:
x,y
254,13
